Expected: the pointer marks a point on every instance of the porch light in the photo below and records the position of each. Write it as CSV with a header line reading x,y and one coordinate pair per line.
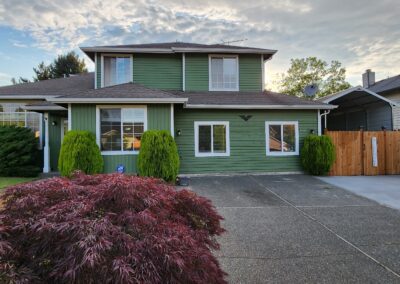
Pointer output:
x,y
178,132
54,123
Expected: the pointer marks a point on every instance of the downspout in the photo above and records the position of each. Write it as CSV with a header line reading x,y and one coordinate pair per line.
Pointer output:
x,y
46,149
325,113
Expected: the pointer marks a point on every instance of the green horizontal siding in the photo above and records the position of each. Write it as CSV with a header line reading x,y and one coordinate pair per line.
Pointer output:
x,y
159,116
250,72
196,72
112,161
83,117
159,71
247,140
98,70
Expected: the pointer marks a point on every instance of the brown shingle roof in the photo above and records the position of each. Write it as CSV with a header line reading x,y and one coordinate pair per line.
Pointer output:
x,y
264,99
123,92
47,88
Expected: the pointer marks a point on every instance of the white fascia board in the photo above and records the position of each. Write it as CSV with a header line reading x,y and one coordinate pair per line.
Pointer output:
x,y
23,97
206,106
126,50
44,108
118,100
226,50
360,89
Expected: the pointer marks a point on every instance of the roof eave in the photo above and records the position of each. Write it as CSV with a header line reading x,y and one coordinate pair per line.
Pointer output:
x,y
304,107
23,97
119,100
44,108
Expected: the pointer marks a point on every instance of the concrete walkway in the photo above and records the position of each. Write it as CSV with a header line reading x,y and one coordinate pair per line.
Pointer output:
x,y
383,189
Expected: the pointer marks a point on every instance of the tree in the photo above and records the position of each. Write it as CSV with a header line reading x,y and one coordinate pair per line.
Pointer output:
x,y
43,72
21,80
63,65
305,71
67,64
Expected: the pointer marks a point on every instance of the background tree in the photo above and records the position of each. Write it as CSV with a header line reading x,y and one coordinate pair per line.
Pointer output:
x,y
305,71
67,64
21,80
43,72
63,65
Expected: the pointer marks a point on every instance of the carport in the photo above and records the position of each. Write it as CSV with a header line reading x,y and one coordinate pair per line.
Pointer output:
x,y
358,109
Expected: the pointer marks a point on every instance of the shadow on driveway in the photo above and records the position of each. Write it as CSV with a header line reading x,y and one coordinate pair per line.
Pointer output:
x,y
298,229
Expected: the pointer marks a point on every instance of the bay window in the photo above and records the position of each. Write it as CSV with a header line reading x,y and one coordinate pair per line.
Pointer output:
x,y
224,74
121,129
212,139
116,70
282,138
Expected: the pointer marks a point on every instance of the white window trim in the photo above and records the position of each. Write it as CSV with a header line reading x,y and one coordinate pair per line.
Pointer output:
x,y
98,130
196,139
115,55
296,133
210,88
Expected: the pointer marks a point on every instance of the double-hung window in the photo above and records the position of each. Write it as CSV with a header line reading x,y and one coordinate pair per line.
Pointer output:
x,y
282,138
211,138
224,73
116,70
121,129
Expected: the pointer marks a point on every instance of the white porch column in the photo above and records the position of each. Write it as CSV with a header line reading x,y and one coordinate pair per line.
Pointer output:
x,y
172,121
46,148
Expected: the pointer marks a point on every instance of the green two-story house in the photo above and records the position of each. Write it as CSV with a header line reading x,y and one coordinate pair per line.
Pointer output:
x,y
210,97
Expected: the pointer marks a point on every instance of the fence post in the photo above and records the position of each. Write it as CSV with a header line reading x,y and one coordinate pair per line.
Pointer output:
x,y
362,152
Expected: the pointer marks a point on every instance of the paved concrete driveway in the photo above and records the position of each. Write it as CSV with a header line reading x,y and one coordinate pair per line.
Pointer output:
x,y
298,229
383,189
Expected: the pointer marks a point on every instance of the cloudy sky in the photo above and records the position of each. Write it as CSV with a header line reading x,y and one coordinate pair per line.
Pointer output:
x,y
361,34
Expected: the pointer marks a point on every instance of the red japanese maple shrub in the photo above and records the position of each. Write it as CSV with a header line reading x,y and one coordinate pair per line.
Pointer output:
x,y
107,229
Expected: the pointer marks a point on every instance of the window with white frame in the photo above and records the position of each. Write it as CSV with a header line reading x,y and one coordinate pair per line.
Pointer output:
x,y
211,138
224,74
121,129
282,138
116,70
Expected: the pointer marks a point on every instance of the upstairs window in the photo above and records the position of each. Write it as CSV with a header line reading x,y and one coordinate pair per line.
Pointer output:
x,y
224,74
116,70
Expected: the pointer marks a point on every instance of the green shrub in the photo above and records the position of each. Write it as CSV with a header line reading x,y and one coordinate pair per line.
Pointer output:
x,y
79,151
158,156
318,154
19,154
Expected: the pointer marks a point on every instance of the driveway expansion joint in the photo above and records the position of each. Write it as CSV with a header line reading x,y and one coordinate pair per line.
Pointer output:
x,y
306,215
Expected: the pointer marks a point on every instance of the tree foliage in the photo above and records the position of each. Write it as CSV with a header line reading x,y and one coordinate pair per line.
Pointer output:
x,y
21,80
107,229
19,154
158,156
318,154
79,151
63,65
305,71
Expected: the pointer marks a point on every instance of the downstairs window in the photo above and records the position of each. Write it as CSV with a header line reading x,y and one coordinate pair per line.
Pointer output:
x,y
212,138
282,138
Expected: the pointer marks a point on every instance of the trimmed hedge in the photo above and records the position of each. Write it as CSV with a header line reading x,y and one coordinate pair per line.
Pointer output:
x,y
19,154
158,156
79,151
107,229
318,154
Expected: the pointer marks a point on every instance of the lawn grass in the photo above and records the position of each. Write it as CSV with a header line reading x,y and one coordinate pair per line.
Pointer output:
x,y
7,181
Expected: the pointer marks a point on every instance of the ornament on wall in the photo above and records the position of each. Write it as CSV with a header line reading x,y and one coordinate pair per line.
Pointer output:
x,y
245,117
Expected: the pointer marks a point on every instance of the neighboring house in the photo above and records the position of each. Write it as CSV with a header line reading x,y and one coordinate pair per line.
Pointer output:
x,y
210,97
388,88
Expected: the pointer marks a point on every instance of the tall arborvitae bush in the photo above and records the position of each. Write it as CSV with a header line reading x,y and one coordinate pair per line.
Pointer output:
x,y
158,156
318,154
19,154
79,151
111,228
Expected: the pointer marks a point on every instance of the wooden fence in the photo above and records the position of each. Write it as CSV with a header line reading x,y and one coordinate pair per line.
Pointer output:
x,y
366,152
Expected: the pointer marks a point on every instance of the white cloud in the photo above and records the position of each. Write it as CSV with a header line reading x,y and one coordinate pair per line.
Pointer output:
x,y
5,79
359,34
